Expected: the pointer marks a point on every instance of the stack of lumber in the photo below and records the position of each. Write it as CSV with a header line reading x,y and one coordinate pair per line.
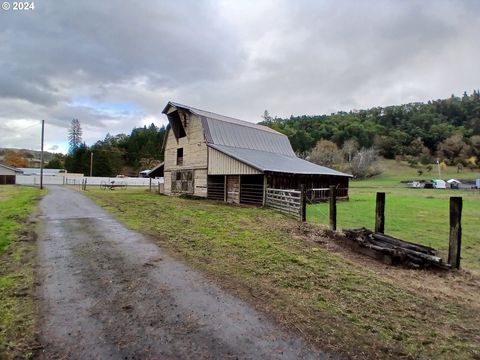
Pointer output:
x,y
392,250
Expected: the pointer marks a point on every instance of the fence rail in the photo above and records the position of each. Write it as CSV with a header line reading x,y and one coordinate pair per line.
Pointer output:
x,y
286,201
78,180
323,194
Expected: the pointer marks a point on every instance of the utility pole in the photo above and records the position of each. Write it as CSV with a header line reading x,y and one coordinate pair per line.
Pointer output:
x,y
41,156
91,163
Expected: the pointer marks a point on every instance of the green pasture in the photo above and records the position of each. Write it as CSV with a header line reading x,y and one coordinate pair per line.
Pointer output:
x,y
419,215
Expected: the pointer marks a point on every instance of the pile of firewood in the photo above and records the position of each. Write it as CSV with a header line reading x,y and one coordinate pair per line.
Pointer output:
x,y
393,251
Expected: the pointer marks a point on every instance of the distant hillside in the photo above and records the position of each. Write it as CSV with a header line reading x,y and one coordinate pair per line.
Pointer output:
x,y
448,128
32,156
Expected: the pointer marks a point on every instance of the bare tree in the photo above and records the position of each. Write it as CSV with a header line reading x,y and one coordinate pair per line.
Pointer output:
x,y
349,148
74,135
363,162
326,153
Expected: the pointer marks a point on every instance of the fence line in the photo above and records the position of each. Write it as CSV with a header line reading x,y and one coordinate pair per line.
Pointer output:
x,y
323,194
78,180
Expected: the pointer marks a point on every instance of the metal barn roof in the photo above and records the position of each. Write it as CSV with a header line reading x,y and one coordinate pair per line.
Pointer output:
x,y
266,161
256,145
224,130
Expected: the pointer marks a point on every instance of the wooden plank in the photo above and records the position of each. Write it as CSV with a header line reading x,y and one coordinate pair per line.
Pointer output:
x,y
403,243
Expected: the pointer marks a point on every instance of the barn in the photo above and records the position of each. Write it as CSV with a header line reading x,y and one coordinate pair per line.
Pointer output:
x,y
7,175
222,158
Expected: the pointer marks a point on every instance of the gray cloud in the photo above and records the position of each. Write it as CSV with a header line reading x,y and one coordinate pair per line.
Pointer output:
x,y
114,65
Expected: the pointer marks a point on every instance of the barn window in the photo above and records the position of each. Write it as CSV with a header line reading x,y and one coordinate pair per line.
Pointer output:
x,y
182,182
180,157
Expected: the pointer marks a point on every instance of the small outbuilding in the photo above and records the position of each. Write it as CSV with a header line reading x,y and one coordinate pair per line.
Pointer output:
x,y
222,158
8,175
439,184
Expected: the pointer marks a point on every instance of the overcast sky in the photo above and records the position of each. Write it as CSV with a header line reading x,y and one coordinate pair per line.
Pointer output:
x,y
115,64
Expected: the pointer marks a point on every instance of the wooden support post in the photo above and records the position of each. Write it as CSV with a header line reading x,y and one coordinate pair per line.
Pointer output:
x,y
333,207
159,187
303,203
239,188
85,186
455,243
225,189
380,213
150,185
265,186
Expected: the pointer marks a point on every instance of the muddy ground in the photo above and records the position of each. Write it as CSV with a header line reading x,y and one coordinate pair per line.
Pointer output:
x,y
107,292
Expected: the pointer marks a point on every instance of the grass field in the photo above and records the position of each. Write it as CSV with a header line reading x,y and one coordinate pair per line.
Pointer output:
x,y
336,299
17,261
418,215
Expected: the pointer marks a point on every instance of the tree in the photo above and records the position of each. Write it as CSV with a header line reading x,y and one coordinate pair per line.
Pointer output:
x,y
364,163
74,136
79,160
349,148
15,159
454,149
267,118
55,163
326,153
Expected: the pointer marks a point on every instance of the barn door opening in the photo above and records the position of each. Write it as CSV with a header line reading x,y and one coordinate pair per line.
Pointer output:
x,y
233,189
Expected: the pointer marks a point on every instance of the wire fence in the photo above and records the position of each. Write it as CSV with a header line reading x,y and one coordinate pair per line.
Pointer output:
x,y
417,215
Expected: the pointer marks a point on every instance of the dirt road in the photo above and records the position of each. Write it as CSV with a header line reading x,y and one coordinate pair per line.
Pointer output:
x,y
109,293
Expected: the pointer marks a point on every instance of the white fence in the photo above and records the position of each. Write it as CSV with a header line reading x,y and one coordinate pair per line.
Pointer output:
x,y
77,180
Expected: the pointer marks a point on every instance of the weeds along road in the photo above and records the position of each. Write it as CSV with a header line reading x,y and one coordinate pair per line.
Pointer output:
x,y
109,293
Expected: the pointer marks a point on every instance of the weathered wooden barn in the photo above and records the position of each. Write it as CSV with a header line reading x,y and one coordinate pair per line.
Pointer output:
x,y
7,175
223,158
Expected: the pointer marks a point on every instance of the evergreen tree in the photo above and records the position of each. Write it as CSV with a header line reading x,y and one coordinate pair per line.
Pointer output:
x,y
74,135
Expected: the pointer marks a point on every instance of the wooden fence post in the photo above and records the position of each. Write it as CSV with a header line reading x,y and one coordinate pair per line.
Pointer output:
x,y
455,241
303,203
265,186
333,207
380,213
150,185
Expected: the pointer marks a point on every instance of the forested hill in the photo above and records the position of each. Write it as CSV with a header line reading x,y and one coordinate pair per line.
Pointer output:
x,y
394,130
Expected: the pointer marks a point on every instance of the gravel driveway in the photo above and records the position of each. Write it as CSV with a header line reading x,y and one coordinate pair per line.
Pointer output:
x,y
107,292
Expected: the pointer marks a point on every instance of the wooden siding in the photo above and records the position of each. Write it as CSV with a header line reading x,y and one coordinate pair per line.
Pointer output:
x,y
167,187
221,164
195,155
7,179
200,183
193,145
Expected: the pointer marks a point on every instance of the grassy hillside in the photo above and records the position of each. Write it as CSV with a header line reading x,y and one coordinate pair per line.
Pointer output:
x,y
334,298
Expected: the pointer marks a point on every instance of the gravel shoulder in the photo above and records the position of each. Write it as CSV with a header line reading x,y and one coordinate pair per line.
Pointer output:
x,y
108,292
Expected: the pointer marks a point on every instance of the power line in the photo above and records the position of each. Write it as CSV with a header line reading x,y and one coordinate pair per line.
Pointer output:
x,y
22,129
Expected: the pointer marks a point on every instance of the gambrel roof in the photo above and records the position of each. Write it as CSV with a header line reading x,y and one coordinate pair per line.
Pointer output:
x,y
255,145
